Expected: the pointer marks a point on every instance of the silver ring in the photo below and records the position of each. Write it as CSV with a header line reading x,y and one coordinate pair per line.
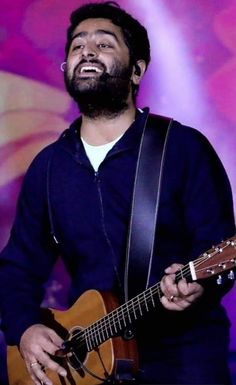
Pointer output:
x,y
34,363
171,298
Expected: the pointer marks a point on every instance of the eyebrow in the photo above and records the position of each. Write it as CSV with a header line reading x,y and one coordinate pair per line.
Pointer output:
x,y
97,32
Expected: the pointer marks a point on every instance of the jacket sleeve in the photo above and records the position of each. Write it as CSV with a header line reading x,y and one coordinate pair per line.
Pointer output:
x,y
208,205
28,258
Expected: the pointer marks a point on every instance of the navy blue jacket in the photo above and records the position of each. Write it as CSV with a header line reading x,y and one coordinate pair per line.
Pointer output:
x,y
88,213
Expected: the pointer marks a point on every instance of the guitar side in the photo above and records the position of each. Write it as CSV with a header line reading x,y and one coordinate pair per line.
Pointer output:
x,y
102,362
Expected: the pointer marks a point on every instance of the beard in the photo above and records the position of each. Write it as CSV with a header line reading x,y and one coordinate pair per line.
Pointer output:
x,y
104,95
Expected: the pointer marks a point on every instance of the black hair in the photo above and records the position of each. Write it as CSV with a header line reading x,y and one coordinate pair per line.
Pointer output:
x,y
135,35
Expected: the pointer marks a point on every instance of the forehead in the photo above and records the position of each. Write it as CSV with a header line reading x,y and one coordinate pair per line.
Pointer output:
x,y
98,26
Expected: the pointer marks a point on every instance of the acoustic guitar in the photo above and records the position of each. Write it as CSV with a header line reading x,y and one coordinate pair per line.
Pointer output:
x,y
96,329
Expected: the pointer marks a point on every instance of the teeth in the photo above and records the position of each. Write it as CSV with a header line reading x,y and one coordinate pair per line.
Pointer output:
x,y
90,68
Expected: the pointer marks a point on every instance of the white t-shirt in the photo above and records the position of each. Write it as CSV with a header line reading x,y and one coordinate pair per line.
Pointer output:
x,y
97,154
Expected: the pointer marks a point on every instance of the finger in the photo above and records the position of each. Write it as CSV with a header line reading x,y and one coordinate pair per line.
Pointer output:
x,y
170,303
55,338
173,268
35,380
175,303
168,286
48,363
49,346
30,365
187,289
39,375
184,288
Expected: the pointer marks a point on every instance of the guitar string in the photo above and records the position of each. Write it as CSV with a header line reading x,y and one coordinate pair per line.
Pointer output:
x,y
182,272
93,342
80,337
95,329
118,319
98,325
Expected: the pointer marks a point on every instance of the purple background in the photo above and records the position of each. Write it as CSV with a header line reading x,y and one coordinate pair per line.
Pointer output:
x,y
191,77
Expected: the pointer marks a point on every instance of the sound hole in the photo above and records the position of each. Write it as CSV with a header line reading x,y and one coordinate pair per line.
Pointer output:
x,y
78,352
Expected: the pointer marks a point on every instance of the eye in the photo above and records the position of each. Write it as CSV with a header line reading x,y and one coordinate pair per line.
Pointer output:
x,y
104,45
78,47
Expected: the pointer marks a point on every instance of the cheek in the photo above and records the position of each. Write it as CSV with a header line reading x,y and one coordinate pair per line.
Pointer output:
x,y
71,64
113,61
124,55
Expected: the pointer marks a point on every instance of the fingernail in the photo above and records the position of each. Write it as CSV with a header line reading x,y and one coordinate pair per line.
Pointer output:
x,y
63,373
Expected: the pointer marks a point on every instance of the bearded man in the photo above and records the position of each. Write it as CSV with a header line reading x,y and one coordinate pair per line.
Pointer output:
x,y
76,201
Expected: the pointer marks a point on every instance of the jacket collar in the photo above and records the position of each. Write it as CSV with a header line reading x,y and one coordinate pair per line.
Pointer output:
x,y
71,142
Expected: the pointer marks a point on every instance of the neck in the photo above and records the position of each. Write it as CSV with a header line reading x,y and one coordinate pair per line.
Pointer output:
x,y
102,130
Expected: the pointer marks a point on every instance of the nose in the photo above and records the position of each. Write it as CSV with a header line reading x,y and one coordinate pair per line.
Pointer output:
x,y
89,51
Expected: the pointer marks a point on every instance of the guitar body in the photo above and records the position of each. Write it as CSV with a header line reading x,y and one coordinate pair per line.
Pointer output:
x,y
90,327
104,361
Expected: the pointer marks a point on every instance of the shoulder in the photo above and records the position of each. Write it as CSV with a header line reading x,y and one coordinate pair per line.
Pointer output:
x,y
186,134
40,161
66,140
36,173
189,152
191,143
181,134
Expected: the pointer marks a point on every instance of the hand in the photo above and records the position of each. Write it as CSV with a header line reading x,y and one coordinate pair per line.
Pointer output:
x,y
178,296
37,342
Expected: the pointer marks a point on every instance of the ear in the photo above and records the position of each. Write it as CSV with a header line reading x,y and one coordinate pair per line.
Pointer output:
x,y
139,69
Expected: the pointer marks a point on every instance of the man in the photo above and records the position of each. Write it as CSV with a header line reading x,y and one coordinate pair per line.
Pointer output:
x,y
78,191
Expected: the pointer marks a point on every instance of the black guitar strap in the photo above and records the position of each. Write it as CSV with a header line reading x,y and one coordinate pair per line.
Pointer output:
x,y
145,203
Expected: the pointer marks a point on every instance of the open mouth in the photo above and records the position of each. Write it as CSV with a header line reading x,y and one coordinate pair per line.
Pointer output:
x,y
89,70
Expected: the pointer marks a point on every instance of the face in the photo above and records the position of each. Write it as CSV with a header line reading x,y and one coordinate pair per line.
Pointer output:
x,y
98,42
98,66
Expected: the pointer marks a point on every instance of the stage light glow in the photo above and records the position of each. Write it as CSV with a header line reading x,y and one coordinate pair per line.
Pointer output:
x,y
172,84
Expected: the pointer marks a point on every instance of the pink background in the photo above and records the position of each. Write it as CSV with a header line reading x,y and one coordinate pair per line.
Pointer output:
x,y
191,77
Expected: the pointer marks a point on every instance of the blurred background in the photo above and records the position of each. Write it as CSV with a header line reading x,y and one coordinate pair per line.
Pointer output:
x,y
192,77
